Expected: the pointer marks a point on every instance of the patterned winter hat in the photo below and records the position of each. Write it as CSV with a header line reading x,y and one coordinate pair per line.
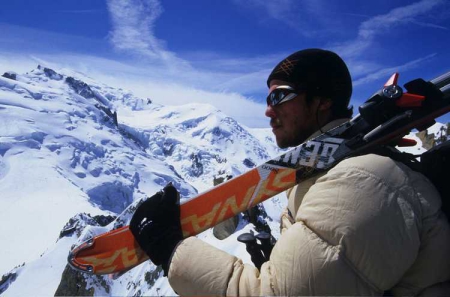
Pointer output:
x,y
319,72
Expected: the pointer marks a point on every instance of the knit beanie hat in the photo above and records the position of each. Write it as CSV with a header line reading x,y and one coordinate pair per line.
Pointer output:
x,y
318,72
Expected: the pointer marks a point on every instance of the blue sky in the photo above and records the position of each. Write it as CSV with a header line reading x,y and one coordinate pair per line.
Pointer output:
x,y
221,51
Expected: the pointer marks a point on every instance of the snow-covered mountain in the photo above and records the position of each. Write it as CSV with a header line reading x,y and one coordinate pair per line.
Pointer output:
x,y
75,157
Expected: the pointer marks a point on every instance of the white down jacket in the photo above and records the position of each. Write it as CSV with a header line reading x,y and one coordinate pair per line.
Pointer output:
x,y
367,226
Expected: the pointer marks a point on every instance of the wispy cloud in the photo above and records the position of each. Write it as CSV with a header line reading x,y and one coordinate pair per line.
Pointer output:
x,y
306,17
133,32
397,16
133,23
312,17
429,25
386,72
379,24
280,10
355,51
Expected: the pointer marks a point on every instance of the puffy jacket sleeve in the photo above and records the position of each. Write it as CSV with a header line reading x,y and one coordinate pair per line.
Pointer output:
x,y
346,240
198,268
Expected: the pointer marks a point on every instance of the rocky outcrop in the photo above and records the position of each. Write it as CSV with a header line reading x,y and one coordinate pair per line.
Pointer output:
x,y
77,223
430,140
6,280
74,283
50,73
10,75
80,87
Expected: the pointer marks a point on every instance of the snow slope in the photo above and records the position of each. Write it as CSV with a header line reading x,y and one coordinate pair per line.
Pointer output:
x,y
74,152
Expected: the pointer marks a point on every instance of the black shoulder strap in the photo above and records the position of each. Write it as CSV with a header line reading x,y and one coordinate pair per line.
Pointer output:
x,y
408,159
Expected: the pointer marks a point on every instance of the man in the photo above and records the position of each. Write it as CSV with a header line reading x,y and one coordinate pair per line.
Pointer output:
x,y
369,226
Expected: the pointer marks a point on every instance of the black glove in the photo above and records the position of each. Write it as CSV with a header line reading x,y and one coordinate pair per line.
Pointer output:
x,y
156,226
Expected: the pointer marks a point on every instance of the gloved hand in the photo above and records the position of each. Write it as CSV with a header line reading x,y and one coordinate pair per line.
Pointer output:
x,y
156,226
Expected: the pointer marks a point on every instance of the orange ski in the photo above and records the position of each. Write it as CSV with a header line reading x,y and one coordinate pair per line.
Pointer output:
x,y
116,251
379,122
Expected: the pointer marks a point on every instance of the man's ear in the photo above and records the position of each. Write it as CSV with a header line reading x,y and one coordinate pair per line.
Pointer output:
x,y
325,103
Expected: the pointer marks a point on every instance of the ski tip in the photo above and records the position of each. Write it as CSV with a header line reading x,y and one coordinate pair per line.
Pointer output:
x,y
72,261
72,257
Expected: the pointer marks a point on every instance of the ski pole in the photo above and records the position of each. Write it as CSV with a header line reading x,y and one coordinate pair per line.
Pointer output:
x,y
266,243
252,248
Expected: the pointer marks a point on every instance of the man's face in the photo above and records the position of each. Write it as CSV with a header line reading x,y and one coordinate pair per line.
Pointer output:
x,y
293,121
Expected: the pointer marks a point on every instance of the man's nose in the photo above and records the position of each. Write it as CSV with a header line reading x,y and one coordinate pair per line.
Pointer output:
x,y
270,112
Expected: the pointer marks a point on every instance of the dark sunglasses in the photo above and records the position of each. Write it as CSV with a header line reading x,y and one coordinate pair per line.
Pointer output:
x,y
280,95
